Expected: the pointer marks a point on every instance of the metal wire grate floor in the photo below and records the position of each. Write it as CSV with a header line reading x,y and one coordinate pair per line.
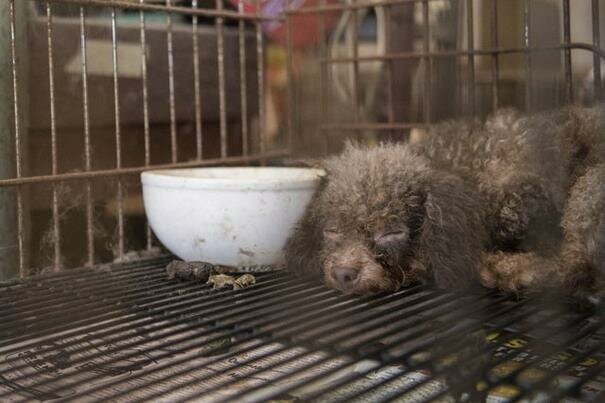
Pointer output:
x,y
127,333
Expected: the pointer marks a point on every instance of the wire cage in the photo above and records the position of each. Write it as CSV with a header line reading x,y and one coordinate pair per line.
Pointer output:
x,y
94,92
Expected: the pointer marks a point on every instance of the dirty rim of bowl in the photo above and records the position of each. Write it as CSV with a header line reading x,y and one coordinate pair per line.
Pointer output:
x,y
233,178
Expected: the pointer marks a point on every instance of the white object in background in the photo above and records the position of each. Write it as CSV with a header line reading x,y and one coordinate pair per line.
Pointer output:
x,y
341,45
229,216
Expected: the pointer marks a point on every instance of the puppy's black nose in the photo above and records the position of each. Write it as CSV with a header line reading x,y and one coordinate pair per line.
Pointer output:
x,y
344,276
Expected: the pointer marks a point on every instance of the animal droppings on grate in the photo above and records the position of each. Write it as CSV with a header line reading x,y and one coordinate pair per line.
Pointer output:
x,y
219,281
202,271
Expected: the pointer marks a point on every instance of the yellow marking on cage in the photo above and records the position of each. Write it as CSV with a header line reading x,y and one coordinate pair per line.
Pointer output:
x,y
589,362
515,343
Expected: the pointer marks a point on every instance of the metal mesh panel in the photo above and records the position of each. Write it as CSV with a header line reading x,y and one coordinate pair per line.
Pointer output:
x,y
128,333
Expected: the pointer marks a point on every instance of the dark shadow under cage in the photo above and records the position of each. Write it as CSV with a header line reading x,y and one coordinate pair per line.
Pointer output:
x,y
93,92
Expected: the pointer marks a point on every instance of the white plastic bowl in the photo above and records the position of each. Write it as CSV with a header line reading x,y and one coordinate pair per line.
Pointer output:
x,y
229,216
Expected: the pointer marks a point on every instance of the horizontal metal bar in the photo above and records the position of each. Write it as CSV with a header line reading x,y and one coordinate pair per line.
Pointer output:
x,y
352,6
466,53
135,170
130,5
370,126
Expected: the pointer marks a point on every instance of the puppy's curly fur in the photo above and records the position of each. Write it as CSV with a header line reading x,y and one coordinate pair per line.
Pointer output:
x,y
390,216
471,203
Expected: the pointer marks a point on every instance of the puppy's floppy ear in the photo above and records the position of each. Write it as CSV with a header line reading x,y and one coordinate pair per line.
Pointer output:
x,y
304,244
453,234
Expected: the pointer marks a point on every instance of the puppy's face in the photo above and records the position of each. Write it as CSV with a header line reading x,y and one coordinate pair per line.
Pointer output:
x,y
383,219
377,255
370,213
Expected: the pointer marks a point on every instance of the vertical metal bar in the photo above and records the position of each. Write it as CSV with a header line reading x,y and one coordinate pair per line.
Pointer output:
x,y
527,43
290,78
242,78
118,140
495,59
324,94
53,143
260,60
87,153
173,139
23,270
596,41
145,90
220,48
389,69
470,40
567,52
196,84
355,44
427,65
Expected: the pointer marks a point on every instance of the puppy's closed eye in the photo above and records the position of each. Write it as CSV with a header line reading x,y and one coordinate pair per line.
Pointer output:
x,y
392,237
332,234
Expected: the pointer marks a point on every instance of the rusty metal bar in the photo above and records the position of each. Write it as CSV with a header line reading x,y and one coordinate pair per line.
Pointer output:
x,y
596,42
56,231
132,5
220,48
470,40
171,98
290,81
527,43
428,65
356,98
567,52
196,82
108,173
23,269
260,60
369,126
90,251
118,134
324,92
475,52
356,5
242,78
495,59
389,67
146,132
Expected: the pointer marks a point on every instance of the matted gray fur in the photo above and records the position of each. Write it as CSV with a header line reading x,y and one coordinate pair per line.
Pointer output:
x,y
513,202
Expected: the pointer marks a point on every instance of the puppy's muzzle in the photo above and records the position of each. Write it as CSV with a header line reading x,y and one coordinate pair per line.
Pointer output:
x,y
345,277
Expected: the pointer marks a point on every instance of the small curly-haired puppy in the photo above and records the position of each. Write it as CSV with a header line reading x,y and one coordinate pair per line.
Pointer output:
x,y
514,202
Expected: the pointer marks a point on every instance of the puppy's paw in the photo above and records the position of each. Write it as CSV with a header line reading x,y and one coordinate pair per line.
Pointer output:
x,y
526,216
510,272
